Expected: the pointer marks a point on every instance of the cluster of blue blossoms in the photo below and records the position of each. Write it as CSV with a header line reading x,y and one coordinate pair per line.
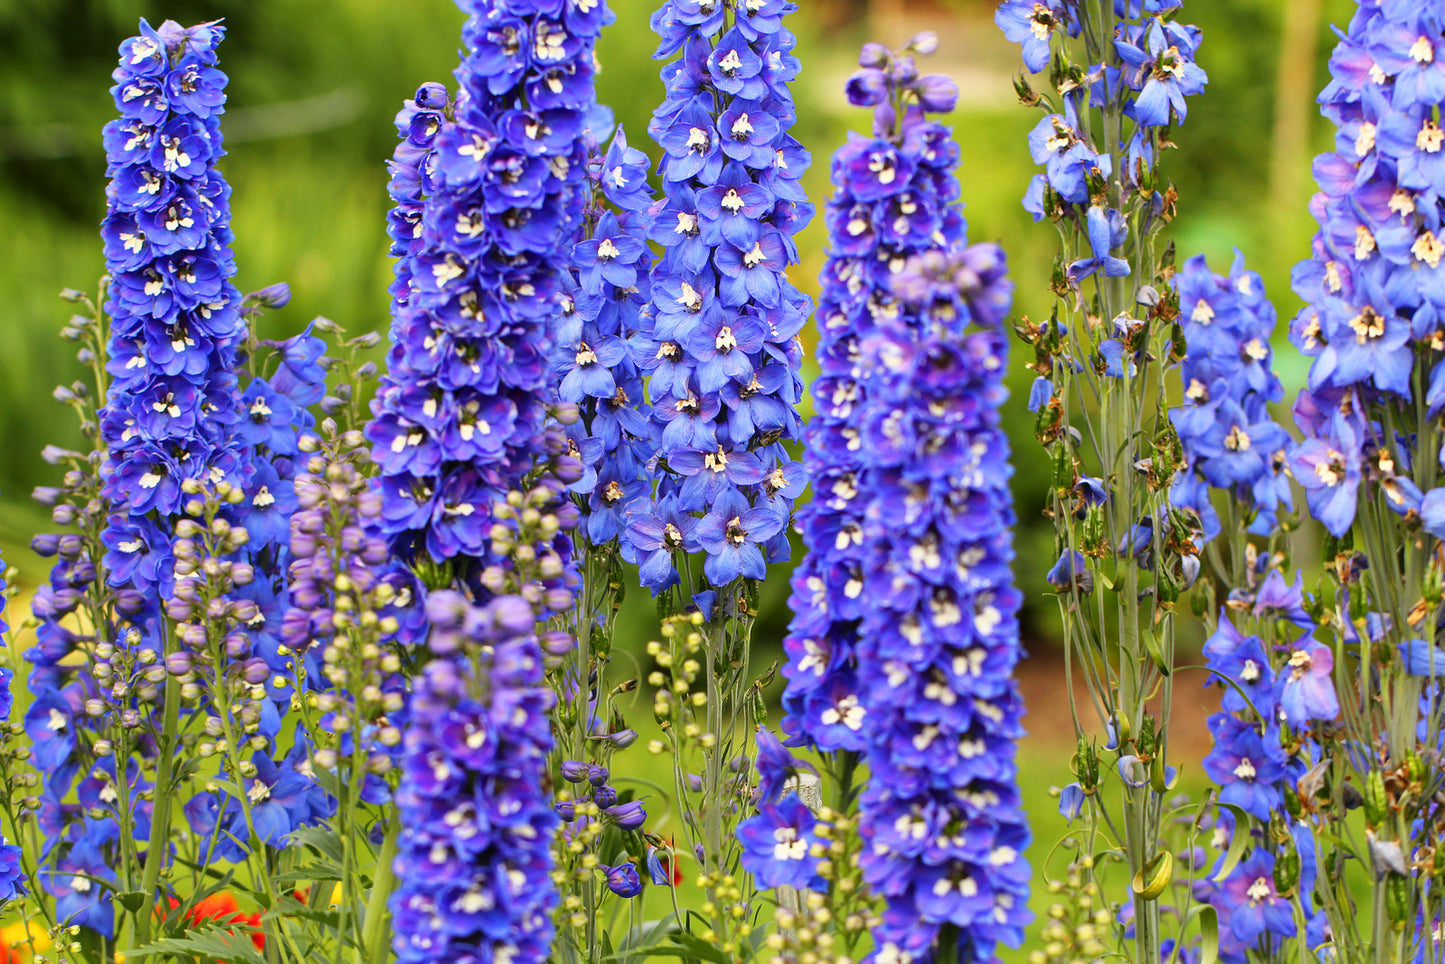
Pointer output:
x,y
895,196
1373,287
183,414
1230,440
721,351
941,815
488,191
1158,73
595,365
905,633
1262,751
473,868
176,320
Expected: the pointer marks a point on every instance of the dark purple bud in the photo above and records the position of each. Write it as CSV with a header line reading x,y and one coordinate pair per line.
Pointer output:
x,y
46,545
72,547
559,600
331,405
431,96
128,602
936,93
271,296
193,635
512,616
597,775
568,515
237,645
867,87
557,643
622,739
566,413
628,816
605,796
925,43
694,783
874,55
446,609
903,72
256,671
574,771
444,641
568,469
566,809
623,880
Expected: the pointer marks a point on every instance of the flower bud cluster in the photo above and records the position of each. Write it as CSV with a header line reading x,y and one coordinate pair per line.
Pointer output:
x,y
175,316
1149,74
474,859
488,188
1078,927
823,925
1230,440
338,636
588,809
722,352
221,675
1276,695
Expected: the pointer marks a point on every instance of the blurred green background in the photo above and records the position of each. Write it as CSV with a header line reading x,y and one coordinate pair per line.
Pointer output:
x,y
315,83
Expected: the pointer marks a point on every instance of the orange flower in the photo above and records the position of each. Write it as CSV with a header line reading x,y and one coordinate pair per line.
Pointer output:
x,y
223,907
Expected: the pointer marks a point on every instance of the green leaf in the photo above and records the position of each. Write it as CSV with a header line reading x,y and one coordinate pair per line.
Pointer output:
x,y
1237,843
231,944
323,840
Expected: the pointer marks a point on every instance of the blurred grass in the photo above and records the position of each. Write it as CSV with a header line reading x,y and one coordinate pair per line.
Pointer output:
x,y
314,84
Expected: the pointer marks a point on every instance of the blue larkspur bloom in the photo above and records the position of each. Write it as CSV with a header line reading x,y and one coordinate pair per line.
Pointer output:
x,y
488,190
905,167
1229,437
719,342
474,865
168,416
938,638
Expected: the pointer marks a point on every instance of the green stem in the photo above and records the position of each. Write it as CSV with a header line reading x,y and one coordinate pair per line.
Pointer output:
x,y
374,934
161,816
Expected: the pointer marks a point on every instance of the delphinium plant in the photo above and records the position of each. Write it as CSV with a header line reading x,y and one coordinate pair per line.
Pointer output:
x,y
722,353
1369,464
1261,882
1118,75
602,847
151,682
489,189
903,638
